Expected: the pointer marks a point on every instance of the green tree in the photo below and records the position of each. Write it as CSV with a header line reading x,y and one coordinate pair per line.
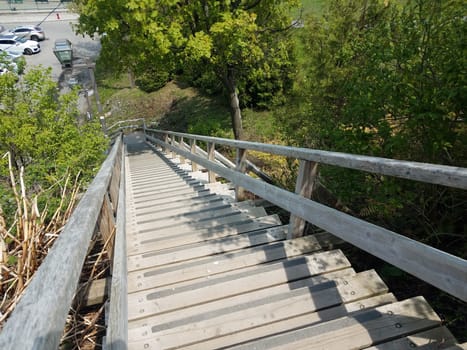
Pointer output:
x,y
41,132
231,40
388,79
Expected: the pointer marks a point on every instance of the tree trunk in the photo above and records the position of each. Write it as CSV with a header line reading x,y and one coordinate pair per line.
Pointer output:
x,y
235,112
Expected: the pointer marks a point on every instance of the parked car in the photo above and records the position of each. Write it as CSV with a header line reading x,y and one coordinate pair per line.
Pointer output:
x,y
13,43
35,33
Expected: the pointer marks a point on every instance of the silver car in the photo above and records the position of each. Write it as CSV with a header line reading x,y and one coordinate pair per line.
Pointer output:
x,y
35,33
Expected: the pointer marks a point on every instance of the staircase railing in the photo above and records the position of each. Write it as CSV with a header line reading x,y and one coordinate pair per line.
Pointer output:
x,y
443,270
38,319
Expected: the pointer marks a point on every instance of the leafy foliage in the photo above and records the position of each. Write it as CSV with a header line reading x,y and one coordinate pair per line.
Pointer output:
x,y
241,43
384,80
42,133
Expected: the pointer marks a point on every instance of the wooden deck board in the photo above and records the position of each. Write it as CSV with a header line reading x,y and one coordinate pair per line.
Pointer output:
x,y
211,266
272,309
208,273
434,339
356,331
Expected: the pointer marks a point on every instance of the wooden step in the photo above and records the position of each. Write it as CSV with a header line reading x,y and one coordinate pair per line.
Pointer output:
x,y
136,239
207,267
434,339
168,202
164,186
261,277
236,302
180,209
272,309
208,227
356,331
210,244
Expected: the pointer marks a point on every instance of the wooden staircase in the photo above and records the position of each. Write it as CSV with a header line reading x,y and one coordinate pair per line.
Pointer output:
x,y
205,272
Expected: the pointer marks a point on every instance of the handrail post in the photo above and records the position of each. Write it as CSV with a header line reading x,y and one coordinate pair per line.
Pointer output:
x,y
166,140
306,180
194,166
211,156
173,143
180,144
241,167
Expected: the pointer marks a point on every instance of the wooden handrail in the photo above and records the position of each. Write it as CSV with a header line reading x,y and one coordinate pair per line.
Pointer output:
x,y
444,271
424,172
38,320
117,329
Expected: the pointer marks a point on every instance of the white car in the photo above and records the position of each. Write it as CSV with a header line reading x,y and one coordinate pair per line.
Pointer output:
x,y
21,45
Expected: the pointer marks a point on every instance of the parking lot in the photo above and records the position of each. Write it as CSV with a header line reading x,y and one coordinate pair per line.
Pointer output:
x,y
84,48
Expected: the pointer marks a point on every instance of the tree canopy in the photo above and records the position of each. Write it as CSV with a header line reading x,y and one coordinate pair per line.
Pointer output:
x,y
388,79
41,133
233,41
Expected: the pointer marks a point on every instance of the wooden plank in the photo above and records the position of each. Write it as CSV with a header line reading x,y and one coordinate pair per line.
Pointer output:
x,y
357,331
193,236
117,323
193,151
294,303
434,339
38,319
430,173
293,323
152,188
182,203
193,270
140,287
180,208
207,246
241,167
94,293
265,276
167,191
208,227
115,183
307,175
107,225
211,150
236,302
168,200
178,254
195,218
442,270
